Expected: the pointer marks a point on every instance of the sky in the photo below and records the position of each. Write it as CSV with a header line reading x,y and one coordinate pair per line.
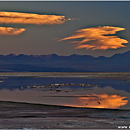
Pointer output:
x,y
64,28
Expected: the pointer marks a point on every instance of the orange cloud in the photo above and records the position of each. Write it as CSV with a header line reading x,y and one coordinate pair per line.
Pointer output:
x,y
101,101
11,31
98,38
28,18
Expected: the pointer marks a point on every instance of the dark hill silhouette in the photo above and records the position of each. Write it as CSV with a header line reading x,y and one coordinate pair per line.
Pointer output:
x,y
72,63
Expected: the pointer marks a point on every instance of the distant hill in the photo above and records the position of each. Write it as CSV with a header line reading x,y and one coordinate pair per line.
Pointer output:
x,y
72,63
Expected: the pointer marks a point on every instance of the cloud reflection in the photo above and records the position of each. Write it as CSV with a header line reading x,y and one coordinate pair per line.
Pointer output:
x,y
101,101
97,38
28,18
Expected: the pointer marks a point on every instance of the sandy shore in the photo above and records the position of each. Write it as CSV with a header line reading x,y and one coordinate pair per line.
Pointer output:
x,y
14,115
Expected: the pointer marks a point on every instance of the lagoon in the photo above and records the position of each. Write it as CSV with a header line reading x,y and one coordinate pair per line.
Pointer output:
x,y
103,90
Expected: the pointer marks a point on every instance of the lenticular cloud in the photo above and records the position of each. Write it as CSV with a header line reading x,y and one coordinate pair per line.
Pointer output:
x,y
97,38
11,31
28,18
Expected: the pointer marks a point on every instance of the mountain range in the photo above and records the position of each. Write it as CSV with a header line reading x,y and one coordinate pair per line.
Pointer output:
x,y
72,63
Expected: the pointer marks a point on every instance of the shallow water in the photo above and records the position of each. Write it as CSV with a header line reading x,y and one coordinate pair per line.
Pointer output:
x,y
36,88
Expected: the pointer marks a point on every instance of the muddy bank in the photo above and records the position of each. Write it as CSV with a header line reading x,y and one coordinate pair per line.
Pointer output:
x,y
26,115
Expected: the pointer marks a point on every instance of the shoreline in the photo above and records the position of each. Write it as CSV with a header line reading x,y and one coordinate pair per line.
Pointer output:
x,y
15,115
58,106
115,75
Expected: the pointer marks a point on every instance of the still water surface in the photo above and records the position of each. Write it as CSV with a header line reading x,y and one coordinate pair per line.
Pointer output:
x,y
98,93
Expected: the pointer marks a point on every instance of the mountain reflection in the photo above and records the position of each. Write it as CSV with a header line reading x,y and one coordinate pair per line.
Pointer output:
x,y
101,101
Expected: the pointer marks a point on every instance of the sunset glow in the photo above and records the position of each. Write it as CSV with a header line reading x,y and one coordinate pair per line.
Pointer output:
x,y
97,38
11,31
28,18
101,101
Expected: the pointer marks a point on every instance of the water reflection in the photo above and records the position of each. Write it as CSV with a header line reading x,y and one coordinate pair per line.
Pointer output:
x,y
70,91
95,97
101,101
